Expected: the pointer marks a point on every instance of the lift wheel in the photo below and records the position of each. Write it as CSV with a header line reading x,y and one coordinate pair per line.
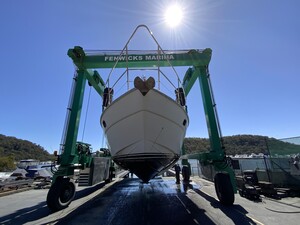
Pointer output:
x,y
224,188
60,194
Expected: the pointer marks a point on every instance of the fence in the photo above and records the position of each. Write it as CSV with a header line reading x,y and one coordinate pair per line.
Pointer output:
x,y
286,147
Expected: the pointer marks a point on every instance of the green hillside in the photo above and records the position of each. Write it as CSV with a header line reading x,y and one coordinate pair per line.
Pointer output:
x,y
244,144
13,149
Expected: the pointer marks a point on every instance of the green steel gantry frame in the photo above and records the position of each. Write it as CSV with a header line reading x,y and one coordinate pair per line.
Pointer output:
x,y
197,61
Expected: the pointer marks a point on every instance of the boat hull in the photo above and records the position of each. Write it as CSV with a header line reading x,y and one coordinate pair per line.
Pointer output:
x,y
145,133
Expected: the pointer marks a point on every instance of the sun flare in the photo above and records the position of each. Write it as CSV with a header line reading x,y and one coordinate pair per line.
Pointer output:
x,y
174,15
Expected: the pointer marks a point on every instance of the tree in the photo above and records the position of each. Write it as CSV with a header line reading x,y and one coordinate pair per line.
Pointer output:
x,y
7,164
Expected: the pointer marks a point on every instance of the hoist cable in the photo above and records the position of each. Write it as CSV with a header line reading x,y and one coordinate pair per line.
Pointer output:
x,y
86,113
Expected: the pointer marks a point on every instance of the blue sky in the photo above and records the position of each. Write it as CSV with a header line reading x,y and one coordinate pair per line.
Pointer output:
x,y
254,68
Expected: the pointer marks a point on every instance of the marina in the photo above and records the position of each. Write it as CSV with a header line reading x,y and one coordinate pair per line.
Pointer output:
x,y
107,120
145,129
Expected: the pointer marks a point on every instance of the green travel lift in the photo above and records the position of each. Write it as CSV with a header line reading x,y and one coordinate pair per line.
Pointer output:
x,y
77,155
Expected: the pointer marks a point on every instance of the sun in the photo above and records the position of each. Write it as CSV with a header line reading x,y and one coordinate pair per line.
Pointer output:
x,y
174,15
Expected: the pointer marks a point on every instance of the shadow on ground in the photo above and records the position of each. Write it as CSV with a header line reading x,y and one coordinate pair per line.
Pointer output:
x,y
41,210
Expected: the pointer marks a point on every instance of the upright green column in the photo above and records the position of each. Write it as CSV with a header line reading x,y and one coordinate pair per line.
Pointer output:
x,y
210,116
72,124
216,154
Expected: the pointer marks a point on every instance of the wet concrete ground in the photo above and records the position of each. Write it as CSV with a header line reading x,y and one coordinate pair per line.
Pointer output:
x,y
127,201
130,202
164,202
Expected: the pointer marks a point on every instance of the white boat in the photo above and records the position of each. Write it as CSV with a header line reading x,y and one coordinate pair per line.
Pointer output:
x,y
145,128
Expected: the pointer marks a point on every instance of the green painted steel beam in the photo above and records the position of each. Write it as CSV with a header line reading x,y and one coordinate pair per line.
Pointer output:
x,y
69,155
189,80
210,115
95,80
193,57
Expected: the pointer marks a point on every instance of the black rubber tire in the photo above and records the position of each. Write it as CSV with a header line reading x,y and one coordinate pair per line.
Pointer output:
x,y
241,193
224,189
61,194
107,181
